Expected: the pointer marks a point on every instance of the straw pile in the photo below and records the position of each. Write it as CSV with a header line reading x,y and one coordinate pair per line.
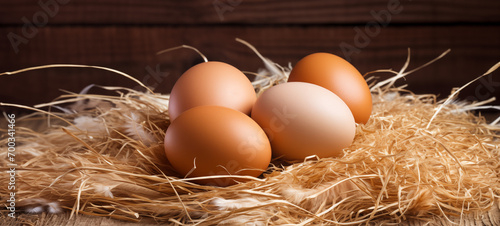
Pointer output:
x,y
416,158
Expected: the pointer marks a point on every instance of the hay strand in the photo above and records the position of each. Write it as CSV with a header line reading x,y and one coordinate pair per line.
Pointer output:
x,y
183,47
78,66
452,96
108,160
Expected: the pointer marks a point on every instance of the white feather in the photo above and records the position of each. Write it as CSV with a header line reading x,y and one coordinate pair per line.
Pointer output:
x,y
90,124
40,205
135,130
53,207
34,210
249,218
104,190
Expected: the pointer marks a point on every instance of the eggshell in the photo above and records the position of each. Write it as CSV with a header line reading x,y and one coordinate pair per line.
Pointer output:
x,y
339,76
219,141
303,119
211,83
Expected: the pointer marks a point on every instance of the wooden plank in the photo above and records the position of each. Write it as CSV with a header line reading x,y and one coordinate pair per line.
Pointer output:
x,y
174,12
132,50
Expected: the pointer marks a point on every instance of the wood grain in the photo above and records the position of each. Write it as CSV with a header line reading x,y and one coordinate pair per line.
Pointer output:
x,y
263,12
132,50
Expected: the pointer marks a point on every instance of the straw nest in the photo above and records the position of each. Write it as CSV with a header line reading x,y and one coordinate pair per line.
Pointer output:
x,y
416,158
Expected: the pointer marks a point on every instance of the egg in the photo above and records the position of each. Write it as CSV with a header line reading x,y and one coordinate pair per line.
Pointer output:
x,y
211,83
302,119
339,76
215,140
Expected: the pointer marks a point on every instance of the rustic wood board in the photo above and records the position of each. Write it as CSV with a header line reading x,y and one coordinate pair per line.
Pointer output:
x,y
132,49
124,35
162,12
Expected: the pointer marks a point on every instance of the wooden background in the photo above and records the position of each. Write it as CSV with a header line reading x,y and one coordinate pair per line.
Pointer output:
x,y
125,35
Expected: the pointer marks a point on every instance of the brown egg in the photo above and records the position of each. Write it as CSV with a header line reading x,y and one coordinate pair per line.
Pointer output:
x,y
218,141
340,77
302,119
211,83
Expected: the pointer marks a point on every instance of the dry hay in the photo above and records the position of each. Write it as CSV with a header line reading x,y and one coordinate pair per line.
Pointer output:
x,y
410,161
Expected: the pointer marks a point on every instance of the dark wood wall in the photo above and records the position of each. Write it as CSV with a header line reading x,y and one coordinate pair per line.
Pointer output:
x,y
125,35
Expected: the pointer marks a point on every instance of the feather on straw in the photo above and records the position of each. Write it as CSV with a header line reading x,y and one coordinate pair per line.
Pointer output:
x,y
408,161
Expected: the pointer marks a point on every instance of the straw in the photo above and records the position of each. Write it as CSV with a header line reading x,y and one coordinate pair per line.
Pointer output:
x,y
415,158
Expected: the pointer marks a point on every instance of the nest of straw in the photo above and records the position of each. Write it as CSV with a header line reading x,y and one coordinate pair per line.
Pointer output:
x,y
416,158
